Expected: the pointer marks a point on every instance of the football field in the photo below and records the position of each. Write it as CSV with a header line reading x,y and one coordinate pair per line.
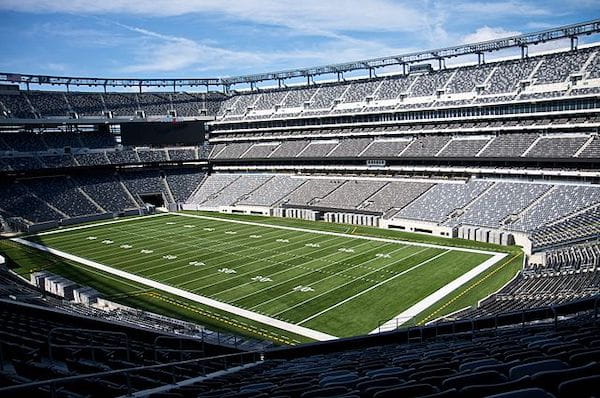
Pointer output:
x,y
315,283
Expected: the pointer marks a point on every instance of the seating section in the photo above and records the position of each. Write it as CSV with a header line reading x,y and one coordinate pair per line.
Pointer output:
x,y
508,145
26,332
425,146
583,225
288,149
211,187
350,148
386,148
464,147
557,68
61,194
560,201
396,195
17,201
238,189
107,192
312,191
539,289
272,191
44,104
183,182
182,154
351,194
500,201
483,84
146,182
261,150
557,147
318,149
443,199
531,362
581,257
506,77
152,155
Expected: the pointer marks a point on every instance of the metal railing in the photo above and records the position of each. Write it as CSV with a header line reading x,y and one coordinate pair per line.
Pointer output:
x,y
54,385
91,346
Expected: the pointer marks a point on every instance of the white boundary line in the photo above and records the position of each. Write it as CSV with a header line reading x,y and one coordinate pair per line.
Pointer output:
x,y
313,334
406,271
126,219
439,294
401,318
373,238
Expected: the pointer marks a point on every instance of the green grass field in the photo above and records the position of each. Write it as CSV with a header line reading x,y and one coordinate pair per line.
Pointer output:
x,y
339,285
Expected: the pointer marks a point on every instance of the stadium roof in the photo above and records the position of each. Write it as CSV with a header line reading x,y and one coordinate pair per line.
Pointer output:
x,y
523,41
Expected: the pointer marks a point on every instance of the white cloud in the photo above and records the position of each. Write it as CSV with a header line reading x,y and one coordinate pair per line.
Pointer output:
x,y
486,33
307,15
167,53
497,9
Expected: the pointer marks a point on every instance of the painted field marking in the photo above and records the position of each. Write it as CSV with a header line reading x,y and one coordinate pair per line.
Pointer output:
x,y
306,332
372,287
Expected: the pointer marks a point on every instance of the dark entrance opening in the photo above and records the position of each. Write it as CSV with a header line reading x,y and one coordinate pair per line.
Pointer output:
x,y
155,199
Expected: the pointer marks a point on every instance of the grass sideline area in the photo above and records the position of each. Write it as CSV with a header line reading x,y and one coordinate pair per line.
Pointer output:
x,y
331,274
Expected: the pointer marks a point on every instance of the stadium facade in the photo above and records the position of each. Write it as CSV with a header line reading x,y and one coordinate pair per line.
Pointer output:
x,y
504,152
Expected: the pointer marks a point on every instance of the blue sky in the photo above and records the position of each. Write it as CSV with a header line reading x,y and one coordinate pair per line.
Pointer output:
x,y
208,38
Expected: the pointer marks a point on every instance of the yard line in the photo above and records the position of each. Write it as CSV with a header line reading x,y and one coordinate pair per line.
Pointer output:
x,y
306,332
169,243
301,265
276,263
373,238
320,280
187,245
255,260
98,224
439,294
140,236
371,288
352,281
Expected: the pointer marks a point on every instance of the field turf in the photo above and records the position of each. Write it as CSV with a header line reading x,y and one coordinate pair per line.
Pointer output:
x,y
342,286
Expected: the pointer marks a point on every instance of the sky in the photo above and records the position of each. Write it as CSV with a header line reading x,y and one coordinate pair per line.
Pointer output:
x,y
217,38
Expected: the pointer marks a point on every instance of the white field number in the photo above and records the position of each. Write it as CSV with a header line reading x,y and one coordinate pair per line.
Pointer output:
x,y
260,278
303,289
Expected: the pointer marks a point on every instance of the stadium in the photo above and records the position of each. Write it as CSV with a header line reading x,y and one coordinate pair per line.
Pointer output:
x,y
415,225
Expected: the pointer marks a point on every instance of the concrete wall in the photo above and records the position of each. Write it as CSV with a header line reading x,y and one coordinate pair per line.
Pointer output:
x,y
421,227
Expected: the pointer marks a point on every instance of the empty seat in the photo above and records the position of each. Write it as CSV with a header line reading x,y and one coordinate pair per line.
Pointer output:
x,y
528,369
585,357
583,387
551,379
408,391
526,393
477,391
325,392
476,364
476,378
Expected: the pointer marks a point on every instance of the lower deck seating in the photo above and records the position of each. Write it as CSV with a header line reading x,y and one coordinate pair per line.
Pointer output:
x,y
532,362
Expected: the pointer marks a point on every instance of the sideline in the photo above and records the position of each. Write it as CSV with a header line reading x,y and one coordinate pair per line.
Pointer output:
x,y
439,294
313,334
